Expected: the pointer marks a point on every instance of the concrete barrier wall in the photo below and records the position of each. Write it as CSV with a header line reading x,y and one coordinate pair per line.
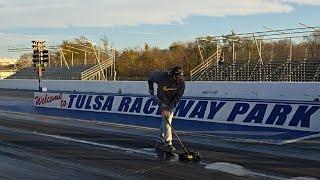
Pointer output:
x,y
247,90
271,121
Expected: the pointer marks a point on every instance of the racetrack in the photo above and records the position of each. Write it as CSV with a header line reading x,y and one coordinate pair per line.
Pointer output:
x,y
38,146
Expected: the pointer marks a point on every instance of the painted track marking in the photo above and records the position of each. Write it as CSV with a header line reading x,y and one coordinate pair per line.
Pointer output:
x,y
219,166
130,150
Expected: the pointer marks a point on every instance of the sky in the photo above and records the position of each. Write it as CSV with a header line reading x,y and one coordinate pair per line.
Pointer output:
x,y
131,23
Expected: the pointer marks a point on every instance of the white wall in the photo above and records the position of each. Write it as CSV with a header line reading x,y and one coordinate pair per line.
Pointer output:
x,y
253,90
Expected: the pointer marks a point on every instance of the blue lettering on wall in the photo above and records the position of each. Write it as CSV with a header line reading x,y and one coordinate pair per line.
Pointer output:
x,y
98,102
199,109
108,103
279,114
158,111
147,109
136,106
182,109
257,113
124,105
214,108
88,106
303,115
80,101
239,108
71,97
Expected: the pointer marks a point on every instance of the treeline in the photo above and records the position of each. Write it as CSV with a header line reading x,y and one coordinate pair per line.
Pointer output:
x,y
138,62
130,62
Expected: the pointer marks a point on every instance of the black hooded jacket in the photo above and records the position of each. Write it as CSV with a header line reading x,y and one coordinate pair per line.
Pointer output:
x,y
169,91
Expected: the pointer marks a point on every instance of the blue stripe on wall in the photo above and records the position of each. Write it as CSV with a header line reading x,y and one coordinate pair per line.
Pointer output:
x,y
179,124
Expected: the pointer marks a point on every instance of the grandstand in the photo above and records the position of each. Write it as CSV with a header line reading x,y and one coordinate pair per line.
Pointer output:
x,y
294,67
77,72
61,68
63,73
300,71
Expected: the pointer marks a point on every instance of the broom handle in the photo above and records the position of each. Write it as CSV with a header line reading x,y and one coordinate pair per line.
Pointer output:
x,y
184,148
175,133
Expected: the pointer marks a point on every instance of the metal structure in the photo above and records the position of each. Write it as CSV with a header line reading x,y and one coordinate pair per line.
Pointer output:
x,y
40,59
103,69
216,67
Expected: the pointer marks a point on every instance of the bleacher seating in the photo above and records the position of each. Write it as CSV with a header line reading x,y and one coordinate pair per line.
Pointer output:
x,y
273,71
58,73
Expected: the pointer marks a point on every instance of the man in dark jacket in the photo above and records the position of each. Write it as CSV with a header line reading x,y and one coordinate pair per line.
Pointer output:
x,y
170,89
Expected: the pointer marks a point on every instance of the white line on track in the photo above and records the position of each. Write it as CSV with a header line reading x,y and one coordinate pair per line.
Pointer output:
x,y
225,167
130,150
299,139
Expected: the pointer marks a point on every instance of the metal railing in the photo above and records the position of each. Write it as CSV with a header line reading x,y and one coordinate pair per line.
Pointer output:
x,y
203,66
22,65
8,72
95,72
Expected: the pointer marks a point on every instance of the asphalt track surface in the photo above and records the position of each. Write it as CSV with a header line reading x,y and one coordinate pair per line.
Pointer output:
x,y
34,146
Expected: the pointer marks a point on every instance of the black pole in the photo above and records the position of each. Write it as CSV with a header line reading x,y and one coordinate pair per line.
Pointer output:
x,y
39,80
39,70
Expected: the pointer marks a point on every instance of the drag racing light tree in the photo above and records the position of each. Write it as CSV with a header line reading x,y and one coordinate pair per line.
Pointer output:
x,y
38,58
44,59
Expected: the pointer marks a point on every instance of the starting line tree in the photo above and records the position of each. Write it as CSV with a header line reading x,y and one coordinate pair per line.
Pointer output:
x,y
40,59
